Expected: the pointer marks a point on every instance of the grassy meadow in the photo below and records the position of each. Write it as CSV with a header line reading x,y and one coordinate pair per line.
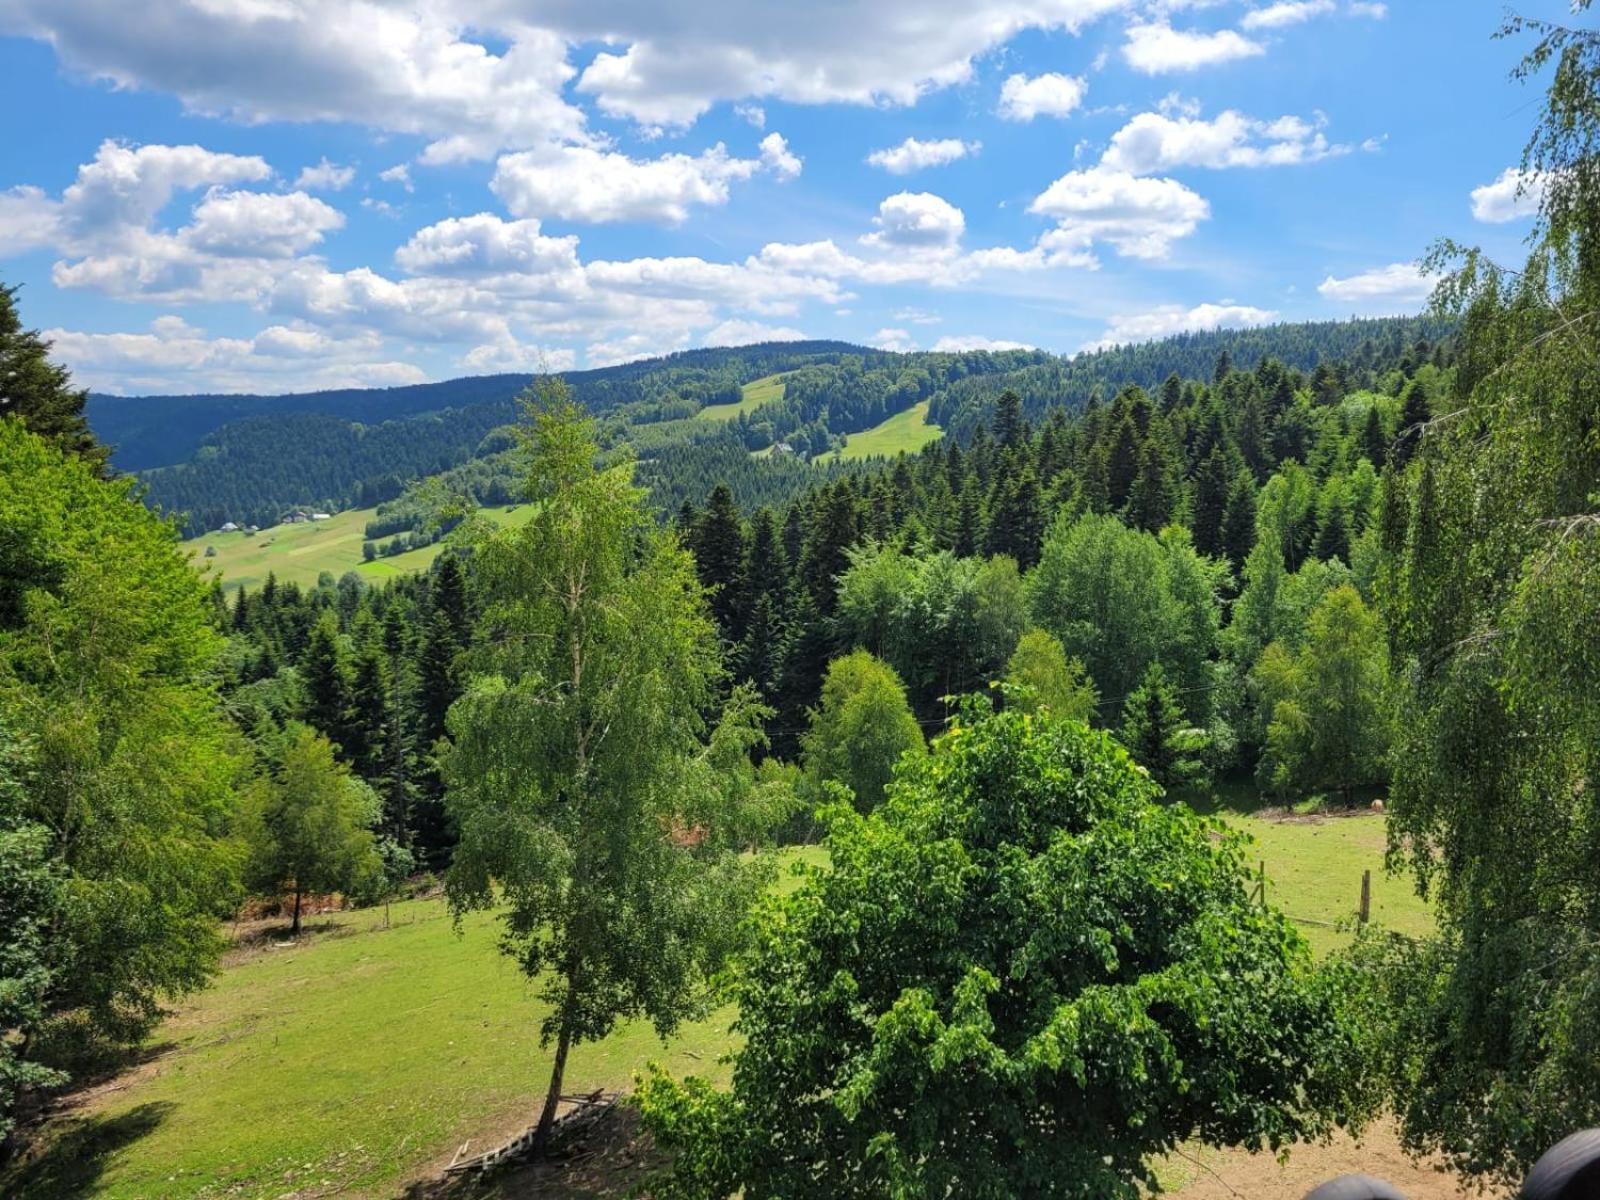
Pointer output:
x,y
362,1057
756,393
909,431
300,553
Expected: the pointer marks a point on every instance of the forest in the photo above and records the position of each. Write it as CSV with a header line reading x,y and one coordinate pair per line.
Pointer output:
x,y
1339,564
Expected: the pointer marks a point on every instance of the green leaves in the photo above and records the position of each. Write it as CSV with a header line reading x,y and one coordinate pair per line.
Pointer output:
x,y
1019,977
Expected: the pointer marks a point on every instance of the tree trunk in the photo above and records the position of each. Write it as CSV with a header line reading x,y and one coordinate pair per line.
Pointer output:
x,y
558,1070
295,928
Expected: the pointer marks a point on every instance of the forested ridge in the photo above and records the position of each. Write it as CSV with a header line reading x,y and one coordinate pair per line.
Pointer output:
x,y
264,456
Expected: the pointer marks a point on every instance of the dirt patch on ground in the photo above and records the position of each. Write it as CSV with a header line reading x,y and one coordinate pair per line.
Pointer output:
x,y
610,1159
1234,1174
615,1157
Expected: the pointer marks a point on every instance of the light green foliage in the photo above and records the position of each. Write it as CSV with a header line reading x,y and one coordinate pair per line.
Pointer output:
x,y
861,729
1120,599
1020,977
588,803
1490,588
1044,678
1325,705
946,624
308,826
105,654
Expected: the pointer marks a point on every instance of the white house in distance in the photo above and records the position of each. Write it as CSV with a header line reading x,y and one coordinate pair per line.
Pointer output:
x,y
228,527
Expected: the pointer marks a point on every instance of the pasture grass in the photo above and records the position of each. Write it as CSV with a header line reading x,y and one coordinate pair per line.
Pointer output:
x,y
300,553
755,393
909,431
364,1055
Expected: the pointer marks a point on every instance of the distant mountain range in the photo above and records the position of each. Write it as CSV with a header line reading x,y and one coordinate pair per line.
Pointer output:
x,y
247,458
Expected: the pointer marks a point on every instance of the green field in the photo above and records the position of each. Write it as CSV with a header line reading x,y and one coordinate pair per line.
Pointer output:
x,y
909,431
756,393
300,553
364,1056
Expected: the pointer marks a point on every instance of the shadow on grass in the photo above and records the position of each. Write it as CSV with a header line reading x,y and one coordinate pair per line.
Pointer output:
x,y
70,1161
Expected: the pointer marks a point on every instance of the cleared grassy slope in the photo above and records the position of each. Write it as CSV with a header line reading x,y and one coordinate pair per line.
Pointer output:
x,y
756,393
300,553
909,431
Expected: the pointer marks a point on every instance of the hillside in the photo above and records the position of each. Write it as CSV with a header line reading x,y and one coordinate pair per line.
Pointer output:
x,y
300,553
250,458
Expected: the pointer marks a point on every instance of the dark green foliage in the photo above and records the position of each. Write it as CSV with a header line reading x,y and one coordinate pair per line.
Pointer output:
x,y
719,553
38,392
1156,735
1019,977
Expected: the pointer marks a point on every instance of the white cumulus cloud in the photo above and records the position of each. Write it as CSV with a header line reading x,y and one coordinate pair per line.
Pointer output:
x,y
1382,288
1168,319
325,177
1141,217
1157,48
917,219
577,183
738,332
1513,195
1286,12
961,343
914,155
1049,95
1158,141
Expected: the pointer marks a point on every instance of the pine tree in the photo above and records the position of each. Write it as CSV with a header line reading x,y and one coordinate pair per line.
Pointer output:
x,y
719,552
38,392
1239,520
1153,730
327,686
1210,501
1374,443
1122,462
1009,428
969,530
1016,519
758,657
1414,414
371,719
830,533
1154,496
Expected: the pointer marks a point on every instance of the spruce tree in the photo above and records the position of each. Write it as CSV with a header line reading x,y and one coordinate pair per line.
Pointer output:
x,y
326,673
1239,520
833,528
969,530
719,552
1153,730
1414,414
1154,496
39,392
1210,501
1009,429
1374,442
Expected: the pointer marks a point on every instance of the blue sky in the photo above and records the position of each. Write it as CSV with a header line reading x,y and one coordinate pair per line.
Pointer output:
x,y
274,195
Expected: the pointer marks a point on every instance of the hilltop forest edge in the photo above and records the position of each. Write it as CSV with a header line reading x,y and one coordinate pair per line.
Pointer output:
x,y
1378,575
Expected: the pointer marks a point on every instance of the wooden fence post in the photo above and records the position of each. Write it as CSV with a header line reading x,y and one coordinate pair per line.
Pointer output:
x,y
1366,896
